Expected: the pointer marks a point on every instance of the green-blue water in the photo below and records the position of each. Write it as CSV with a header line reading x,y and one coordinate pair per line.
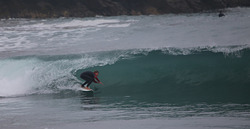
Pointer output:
x,y
202,76
154,75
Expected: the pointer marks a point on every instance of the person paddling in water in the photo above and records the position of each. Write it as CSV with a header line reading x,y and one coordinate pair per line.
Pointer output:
x,y
90,77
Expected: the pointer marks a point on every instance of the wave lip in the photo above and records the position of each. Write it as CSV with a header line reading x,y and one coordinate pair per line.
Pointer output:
x,y
226,50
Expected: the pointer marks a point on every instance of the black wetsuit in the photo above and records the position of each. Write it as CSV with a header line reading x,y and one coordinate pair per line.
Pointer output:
x,y
221,15
89,77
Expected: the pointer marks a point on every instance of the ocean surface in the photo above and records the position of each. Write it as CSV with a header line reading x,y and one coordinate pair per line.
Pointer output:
x,y
186,71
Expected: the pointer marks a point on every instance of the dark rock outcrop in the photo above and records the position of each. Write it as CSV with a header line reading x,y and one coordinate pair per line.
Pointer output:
x,y
89,8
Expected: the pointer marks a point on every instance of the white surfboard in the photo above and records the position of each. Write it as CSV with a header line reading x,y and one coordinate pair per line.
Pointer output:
x,y
84,89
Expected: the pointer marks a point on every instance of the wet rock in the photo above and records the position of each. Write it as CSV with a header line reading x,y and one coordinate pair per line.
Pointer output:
x,y
90,8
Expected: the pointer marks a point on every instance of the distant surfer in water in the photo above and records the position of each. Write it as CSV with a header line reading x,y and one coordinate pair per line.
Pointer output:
x,y
90,77
221,14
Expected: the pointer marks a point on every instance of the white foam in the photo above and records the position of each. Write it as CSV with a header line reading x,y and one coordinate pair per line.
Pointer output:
x,y
31,75
81,35
16,77
68,24
87,23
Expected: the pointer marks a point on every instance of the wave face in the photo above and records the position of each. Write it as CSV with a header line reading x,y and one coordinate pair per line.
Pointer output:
x,y
202,75
209,74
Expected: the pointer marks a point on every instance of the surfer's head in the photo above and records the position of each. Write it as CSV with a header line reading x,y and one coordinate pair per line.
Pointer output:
x,y
96,73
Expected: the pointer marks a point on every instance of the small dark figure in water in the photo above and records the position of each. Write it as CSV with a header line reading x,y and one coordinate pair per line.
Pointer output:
x,y
221,14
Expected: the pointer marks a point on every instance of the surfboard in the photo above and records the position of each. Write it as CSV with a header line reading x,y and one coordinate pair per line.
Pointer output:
x,y
87,90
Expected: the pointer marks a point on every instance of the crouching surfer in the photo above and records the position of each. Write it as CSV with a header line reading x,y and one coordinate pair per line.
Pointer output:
x,y
90,77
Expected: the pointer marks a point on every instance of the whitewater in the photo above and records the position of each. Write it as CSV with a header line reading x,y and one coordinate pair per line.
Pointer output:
x,y
165,71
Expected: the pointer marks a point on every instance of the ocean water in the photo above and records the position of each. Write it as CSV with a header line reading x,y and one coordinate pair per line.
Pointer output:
x,y
186,71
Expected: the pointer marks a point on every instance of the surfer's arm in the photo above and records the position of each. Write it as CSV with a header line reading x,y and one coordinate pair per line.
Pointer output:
x,y
96,80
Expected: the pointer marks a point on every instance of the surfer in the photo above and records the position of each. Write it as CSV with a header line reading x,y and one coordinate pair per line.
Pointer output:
x,y
90,77
221,14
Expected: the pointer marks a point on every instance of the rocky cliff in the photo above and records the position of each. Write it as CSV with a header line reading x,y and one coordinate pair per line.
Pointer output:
x,y
89,8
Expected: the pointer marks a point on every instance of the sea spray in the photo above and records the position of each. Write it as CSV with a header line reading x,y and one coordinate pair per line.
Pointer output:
x,y
16,76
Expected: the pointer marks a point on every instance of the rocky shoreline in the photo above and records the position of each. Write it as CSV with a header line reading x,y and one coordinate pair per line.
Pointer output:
x,y
91,8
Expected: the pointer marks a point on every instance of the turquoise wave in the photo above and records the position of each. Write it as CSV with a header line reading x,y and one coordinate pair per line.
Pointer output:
x,y
208,74
159,75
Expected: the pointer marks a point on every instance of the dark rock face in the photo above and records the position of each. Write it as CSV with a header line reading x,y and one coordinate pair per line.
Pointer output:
x,y
89,8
